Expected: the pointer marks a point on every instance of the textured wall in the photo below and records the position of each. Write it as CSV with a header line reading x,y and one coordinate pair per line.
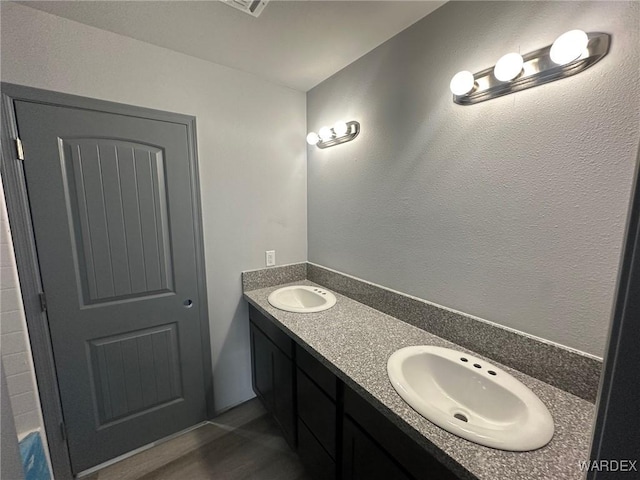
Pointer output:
x,y
252,159
512,210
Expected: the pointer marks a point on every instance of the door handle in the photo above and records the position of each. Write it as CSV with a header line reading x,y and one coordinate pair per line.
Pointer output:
x,y
188,303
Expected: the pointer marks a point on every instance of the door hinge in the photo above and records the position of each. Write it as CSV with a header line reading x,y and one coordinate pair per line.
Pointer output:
x,y
63,431
43,301
19,149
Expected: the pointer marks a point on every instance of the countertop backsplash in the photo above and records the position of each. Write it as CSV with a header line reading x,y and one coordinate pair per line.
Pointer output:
x,y
564,368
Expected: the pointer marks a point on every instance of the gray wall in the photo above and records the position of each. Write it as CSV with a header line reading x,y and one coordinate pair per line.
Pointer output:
x,y
250,146
512,210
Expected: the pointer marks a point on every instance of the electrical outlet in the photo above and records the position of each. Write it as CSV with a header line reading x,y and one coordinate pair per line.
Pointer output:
x,y
270,257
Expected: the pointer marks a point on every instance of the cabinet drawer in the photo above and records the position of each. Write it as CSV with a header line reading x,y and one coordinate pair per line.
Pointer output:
x,y
316,460
277,336
317,411
363,459
419,463
316,371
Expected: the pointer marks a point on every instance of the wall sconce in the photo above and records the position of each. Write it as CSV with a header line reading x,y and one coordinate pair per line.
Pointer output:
x,y
340,133
571,53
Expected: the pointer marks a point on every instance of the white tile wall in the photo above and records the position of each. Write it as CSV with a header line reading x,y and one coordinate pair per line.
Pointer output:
x,y
14,345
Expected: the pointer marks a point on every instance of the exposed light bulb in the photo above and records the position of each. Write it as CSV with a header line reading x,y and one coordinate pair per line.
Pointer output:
x,y
462,83
325,133
508,67
340,128
312,138
568,47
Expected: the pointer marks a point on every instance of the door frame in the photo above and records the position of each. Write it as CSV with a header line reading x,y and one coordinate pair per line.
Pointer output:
x,y
19,213
618,385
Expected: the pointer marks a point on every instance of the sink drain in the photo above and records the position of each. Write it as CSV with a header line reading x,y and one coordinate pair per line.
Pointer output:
x,y
461,417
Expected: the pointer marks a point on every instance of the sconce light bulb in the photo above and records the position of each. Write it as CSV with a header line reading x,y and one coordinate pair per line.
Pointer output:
x,y
325,133
568,47
340,128
508,67
462,83
313,138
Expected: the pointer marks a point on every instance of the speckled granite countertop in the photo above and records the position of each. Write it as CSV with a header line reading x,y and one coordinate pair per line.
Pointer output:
x,y
354,341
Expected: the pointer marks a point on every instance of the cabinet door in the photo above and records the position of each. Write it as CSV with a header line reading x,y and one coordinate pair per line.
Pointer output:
x,y
363,459
414,459
318,412
272,378
283,394
317,421
317,462
262,367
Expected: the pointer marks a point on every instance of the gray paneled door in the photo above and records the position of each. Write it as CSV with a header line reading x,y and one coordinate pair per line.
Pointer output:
x,y
111,201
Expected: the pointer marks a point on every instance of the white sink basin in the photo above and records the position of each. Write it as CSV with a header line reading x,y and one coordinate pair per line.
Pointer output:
x,y
470,398
302,299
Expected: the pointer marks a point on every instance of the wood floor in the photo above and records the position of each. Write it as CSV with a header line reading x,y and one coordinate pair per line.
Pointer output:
x,y
243,443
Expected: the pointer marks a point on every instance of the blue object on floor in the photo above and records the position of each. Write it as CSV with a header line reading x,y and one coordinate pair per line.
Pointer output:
x,y
34,461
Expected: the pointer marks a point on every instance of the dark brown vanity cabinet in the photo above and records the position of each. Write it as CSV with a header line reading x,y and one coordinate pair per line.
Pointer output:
x,y
337,433
273,371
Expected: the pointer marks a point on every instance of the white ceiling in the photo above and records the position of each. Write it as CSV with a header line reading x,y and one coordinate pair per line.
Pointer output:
x,y
294,43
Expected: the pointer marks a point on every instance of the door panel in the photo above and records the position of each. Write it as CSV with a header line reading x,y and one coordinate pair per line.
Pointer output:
x,y
118,201
111,206
135,371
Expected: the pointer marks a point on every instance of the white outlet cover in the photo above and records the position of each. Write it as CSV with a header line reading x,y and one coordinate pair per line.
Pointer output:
x,y
270,258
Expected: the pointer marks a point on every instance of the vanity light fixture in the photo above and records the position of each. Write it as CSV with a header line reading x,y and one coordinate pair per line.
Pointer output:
x,y
571,53
341,132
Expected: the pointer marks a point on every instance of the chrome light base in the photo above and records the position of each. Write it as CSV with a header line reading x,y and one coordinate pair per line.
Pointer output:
x,y
538,69
353,129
